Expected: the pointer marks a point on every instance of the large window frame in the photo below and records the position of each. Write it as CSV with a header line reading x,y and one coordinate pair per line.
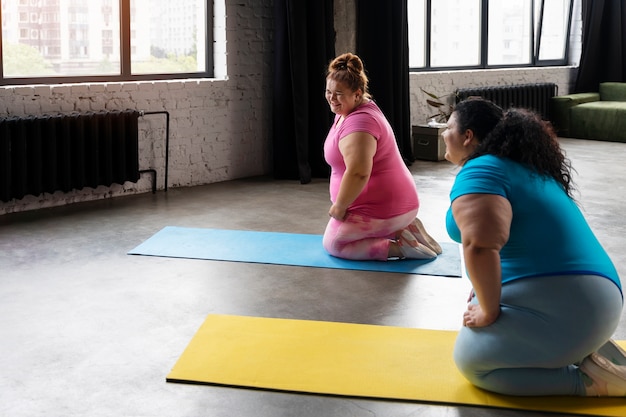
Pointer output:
x,y
537,27
125,57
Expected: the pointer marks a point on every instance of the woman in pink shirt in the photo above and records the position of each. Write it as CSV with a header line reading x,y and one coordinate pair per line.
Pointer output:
x,y
373,195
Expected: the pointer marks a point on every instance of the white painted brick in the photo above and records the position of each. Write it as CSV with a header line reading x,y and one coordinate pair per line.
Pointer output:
x,y
43,91
79,89
130,87
174,85
96,88
67,107
32,108
23,91
61,90
113,87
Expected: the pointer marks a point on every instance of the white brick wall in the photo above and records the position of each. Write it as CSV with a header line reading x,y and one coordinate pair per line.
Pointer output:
x,y
445,83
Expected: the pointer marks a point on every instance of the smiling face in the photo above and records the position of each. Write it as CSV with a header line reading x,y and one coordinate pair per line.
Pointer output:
x,y
340,98
459,145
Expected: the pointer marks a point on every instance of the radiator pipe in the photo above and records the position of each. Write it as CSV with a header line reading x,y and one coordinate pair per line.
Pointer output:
x,y
167,140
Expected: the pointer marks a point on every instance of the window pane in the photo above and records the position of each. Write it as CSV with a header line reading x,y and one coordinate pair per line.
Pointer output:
x,y
455,33
509,32
416,10
60,38
168,36
554,29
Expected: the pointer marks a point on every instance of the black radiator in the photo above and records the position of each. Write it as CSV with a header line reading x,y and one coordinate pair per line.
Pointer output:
x,y
529,96
44,154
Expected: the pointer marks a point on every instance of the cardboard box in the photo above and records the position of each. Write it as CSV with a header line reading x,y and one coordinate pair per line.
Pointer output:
x,y
428,143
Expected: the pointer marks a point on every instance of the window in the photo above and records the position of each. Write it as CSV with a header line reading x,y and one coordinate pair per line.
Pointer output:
x,y
455,33
553,37
416,10
105,40
172,44
447,34
510,33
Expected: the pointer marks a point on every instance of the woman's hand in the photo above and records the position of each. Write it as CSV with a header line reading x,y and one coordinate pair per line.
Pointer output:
x,y
474,316
337,212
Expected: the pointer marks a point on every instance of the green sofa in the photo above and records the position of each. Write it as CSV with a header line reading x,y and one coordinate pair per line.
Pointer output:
x,y
599,116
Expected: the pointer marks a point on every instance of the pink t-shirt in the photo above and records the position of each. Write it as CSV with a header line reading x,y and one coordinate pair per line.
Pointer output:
x,y
390,190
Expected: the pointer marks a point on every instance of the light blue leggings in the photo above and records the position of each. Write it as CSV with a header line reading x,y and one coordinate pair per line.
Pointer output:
x,y
546,325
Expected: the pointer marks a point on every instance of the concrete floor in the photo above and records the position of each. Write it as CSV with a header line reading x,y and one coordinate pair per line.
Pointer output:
x,y
87,330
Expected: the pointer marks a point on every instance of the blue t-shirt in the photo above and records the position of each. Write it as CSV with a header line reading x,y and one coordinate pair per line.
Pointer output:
x,y
549,235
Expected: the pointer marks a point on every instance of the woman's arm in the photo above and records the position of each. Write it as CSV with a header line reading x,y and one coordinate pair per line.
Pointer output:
x,y
358,150
485,222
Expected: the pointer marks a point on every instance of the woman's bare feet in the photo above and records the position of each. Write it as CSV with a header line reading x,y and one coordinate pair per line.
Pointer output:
x,y
418,230
407,246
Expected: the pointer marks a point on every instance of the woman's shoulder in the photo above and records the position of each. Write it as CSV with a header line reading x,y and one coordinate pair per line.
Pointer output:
x,y
367,115
485,166
368,108
486,160
485,174
490,161
495,168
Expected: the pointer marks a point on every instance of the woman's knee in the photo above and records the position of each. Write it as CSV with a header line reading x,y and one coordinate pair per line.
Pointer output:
x,y
331,246
468,360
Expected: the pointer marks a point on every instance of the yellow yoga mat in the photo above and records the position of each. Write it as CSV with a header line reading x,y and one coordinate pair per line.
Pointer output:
x,y
345,359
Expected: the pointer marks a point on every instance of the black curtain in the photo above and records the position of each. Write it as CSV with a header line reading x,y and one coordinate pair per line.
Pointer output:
x,y
383,44
304,45
603,55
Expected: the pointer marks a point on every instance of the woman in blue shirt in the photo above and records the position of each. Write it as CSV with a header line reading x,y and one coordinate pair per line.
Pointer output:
x,y
546,297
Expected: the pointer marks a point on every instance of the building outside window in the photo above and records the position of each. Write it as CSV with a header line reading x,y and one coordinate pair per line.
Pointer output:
x,y
70,38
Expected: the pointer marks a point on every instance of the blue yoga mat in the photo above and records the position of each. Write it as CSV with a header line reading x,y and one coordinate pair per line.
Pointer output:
x,y
282,249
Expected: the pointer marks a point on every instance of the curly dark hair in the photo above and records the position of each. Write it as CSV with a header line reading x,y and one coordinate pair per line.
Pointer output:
x,y
478,115
522,136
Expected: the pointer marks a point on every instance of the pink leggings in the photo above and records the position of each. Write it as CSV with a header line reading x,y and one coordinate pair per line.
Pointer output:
x,y
363,238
